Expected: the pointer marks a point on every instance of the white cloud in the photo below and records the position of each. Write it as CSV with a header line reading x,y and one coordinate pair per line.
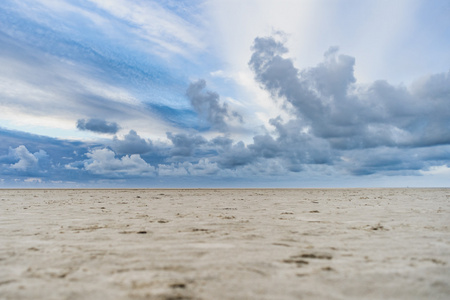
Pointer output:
x,y
147,21
33,180
104,162
27,160
437,170
203,168
58,8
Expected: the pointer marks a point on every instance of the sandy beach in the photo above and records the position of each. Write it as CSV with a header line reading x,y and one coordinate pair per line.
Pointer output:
x,y
225,244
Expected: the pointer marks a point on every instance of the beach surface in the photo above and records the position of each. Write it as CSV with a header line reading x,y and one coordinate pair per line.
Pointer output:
x,y
175,244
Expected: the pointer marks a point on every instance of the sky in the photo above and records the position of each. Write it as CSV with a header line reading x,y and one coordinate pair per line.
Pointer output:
x,y
224,93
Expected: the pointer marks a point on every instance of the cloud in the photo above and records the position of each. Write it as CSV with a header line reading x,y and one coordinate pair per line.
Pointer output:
x,y
437,170
132,144
156,29
104,162
233,156
21,161
294,146
207,104
97,125
26,159
185,145
326,101
204,167
172,170
57,149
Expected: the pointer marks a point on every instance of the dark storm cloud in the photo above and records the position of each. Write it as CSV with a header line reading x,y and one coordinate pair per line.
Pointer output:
x,y
98,125
349,116
393,161
294,147
234,156
221,142
317,95
132,144
207,105
185,145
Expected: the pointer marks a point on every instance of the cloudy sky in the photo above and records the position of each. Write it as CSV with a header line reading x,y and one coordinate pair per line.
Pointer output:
x,y
224,93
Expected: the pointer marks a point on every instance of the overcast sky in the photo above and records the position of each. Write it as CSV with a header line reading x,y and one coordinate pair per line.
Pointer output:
x,y
224,93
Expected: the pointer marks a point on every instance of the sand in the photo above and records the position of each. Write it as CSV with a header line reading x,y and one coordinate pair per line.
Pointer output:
x,y
225,244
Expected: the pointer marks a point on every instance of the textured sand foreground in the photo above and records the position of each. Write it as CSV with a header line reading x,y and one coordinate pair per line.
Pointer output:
x,y
225,244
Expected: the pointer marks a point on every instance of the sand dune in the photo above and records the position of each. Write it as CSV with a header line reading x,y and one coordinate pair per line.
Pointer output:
x,y
225,244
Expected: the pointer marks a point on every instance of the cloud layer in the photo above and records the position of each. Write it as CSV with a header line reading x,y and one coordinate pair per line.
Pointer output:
x,y
94,91
375,128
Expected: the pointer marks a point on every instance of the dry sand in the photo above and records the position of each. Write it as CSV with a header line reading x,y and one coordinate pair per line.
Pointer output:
x,y
225,244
